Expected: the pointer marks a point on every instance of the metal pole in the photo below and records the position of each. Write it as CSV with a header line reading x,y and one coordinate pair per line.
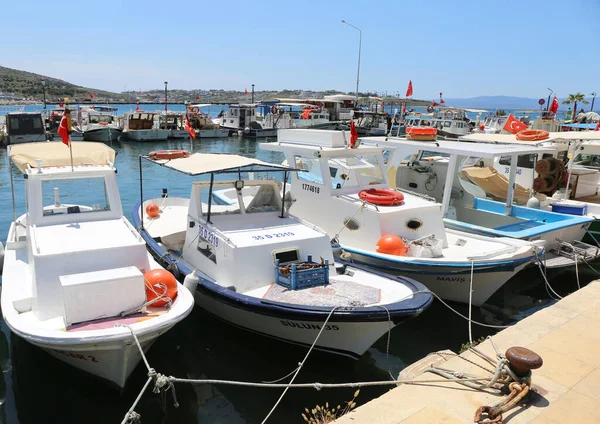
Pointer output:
x,y
44,89
12,187
141,196
593,100
359,49
285,174
210,192
548,104
252,93
166,102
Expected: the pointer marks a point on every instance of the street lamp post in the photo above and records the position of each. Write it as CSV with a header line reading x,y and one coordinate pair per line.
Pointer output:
x,y
548,104
43,82
593,100
359,47
166,102
252,93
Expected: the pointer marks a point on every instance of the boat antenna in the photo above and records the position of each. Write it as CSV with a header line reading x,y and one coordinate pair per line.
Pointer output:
x,y
285,176
141,196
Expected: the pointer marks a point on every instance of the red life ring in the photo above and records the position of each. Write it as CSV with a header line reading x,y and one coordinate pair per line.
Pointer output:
x,y
421,130
168,154
196,109
382,196
532,135
274,110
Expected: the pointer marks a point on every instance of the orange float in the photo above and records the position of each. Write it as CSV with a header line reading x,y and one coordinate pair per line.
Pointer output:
x,y
152,210
160,284
168,154
421,130
532,135
382,196
391,245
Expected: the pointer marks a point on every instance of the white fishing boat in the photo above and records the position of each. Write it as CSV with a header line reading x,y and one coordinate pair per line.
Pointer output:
x,y
346,192
262,269
202,123
143,126
98,123
461,176
74,272
294,115
175,124
242,119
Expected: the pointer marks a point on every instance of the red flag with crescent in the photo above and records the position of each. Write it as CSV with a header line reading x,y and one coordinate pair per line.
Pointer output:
x,y
554,105
353,134
513,125
188,127
65,127
409,90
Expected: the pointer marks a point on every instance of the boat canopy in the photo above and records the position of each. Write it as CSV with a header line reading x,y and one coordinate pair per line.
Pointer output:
x,y
482,150
553,137
213,163
57,154
199,105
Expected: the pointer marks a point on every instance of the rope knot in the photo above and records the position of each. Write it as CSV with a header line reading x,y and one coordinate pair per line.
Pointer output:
x,y
133,418
318,386
152,373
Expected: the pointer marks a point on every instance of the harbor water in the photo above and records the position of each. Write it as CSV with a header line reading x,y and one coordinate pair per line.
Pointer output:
x,y
35,387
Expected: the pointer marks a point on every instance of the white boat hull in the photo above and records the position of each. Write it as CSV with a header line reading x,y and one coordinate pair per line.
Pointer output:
x,y
147,135
213,133
344,338
179,134
105,135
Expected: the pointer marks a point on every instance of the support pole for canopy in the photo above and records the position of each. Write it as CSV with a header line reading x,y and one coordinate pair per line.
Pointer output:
x,y
141,196
283,195
578,148
511,183
12,187
448,186
210,192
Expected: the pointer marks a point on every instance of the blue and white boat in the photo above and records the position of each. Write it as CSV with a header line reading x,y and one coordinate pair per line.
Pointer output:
x,y
471,201
333,190
249,262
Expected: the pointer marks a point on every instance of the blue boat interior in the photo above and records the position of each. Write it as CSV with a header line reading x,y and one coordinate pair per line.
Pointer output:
x,y
489,217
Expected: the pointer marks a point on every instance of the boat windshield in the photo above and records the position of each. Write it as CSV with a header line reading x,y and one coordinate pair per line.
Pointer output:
x,y
588,160
74,196
96,119
355,171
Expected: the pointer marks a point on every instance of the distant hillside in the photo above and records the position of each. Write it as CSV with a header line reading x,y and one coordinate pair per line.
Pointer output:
x,y
500,102
27,85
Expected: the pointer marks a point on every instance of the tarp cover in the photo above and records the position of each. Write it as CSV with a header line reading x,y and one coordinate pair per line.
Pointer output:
x,y
494,184
57,154
205,163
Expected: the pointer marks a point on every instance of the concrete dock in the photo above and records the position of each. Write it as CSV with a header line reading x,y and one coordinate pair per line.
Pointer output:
x,y
566,389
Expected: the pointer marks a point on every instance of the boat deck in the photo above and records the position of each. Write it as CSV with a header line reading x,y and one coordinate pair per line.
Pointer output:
x,y
338,292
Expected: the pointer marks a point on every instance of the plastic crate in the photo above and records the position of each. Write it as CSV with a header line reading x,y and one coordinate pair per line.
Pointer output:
x,y
569,209
303,278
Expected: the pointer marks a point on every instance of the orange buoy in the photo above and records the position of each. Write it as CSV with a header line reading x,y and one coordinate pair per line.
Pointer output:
x,y
532,135
391,245
160,283
152,210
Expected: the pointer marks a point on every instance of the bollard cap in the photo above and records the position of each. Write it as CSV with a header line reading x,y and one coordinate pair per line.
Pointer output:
x,y
523,360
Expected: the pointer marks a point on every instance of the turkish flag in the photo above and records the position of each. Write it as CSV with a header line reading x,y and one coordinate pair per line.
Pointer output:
x,y
65,127
188,127
197,97
409,90
137,107
60,104
353,134
513,125
91,95
442,101
554,105
597,126
246,91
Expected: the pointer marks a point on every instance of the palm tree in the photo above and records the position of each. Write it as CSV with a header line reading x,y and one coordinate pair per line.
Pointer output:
x,y
575,98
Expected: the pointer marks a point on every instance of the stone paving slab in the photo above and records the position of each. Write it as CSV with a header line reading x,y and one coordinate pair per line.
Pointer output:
x,y
567,387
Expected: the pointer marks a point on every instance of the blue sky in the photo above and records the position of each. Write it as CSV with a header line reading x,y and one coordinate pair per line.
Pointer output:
x,y
462,48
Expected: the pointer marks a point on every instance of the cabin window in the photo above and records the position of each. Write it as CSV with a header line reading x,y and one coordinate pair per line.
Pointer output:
x,y
311,171
224,201
523,161
267,198
447,124
74,196
589,160
207,248
356,171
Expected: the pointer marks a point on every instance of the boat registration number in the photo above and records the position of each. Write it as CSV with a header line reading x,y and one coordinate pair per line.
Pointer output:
x,y
77,356
507,170
273,235
208,235
311,188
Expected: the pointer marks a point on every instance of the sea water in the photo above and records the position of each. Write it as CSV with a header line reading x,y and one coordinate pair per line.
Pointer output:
x,y
37,388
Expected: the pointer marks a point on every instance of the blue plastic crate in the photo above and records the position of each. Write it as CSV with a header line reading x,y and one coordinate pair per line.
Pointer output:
x,y
569,209
302,278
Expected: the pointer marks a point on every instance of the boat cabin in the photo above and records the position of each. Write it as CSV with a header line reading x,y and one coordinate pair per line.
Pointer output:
x,y
140,121
24,127
327,190
239,116
237,224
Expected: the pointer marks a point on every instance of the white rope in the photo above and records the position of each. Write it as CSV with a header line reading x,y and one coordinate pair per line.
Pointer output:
x,y
548,286
577,270
300,365
471,303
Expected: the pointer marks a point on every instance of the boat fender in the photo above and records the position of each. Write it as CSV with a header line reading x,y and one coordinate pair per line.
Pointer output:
x,y
191,282
152,210
346,256
391,244
533,203
160,284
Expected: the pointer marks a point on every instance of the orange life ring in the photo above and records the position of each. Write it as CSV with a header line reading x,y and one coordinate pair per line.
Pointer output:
x,y
421,130
273,110
430,109
196,109
532,135
168,154
382,196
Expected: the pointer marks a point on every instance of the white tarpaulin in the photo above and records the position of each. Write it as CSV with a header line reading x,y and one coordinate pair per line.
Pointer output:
x,y
57,154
